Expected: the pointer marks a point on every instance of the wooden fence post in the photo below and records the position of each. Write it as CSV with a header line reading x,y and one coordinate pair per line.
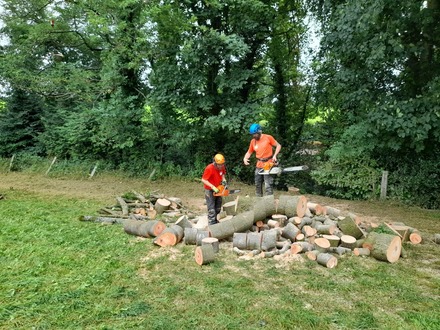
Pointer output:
x,y
51,164
383,185
11,162
93,171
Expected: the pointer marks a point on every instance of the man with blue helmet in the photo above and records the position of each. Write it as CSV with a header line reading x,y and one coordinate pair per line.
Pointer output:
x,y
262,145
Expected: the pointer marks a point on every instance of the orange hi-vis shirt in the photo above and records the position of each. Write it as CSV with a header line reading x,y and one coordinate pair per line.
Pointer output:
x,y
213,175
263,148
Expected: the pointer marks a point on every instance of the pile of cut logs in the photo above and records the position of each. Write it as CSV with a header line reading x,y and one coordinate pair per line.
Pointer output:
x,y
289,225
140,208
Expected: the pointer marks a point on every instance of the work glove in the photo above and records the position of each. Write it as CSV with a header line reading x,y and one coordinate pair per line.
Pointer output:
x,y
224,183
215,189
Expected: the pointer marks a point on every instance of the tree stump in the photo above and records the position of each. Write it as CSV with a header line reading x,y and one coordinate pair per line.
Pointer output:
x,y
161,205
204,254
290,231
327,260
348,241
387,248
349,227
292,206
213,242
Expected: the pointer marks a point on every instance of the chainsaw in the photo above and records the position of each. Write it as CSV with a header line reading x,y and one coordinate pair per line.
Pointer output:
x,y
224,191
271,168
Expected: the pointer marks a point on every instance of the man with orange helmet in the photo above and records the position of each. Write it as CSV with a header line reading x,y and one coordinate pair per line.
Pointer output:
x,y
262,145
213,176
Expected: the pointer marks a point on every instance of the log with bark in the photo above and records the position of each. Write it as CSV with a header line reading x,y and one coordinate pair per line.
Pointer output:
x,y
348,242
123,205
387,247
104,220
292,206
184,222
213,242
230,207
327,260
239,223
321,244
204,254
290,231
340,250
333,239
349,227
161,205
150,228
316,209
361,252
263,207
437,238
194,236
269,239
170,236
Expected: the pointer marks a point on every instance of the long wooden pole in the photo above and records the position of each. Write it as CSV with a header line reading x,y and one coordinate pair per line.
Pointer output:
x,y
51,164
383,185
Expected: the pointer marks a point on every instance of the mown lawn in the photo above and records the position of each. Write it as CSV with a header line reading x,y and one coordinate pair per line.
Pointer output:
x,y
59,273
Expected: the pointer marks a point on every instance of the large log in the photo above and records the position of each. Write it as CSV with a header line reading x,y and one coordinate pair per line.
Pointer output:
x,y
387,248
150,228
349,227
327,260
204,254
194,236
239,223
161,205
264,207
123,204
292,206
170,236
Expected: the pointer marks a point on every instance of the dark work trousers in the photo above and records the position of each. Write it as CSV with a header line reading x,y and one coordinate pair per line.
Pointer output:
x,y
268,183
214,204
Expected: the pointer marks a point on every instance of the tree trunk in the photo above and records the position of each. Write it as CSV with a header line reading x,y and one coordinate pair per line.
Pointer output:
x,y
239,240
150,228
264,207
269,239
170,236
292,206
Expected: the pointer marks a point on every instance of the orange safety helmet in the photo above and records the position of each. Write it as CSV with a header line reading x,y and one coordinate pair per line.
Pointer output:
x,y
219,159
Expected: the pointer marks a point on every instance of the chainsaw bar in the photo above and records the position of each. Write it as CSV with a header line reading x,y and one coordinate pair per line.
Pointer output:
x,y
278,170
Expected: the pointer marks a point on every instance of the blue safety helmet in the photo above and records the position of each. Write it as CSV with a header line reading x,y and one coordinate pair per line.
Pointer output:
x,y
255,128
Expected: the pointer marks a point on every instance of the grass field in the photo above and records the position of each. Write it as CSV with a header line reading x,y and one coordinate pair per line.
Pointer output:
x,y
59,273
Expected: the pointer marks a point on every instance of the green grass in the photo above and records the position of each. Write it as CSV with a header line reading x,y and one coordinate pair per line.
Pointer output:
x,y
59,273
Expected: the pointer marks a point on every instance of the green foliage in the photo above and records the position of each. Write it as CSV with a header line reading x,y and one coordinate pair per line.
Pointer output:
x,y
417,182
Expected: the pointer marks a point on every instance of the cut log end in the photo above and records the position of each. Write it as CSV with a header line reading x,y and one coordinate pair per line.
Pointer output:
x,y
204,254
